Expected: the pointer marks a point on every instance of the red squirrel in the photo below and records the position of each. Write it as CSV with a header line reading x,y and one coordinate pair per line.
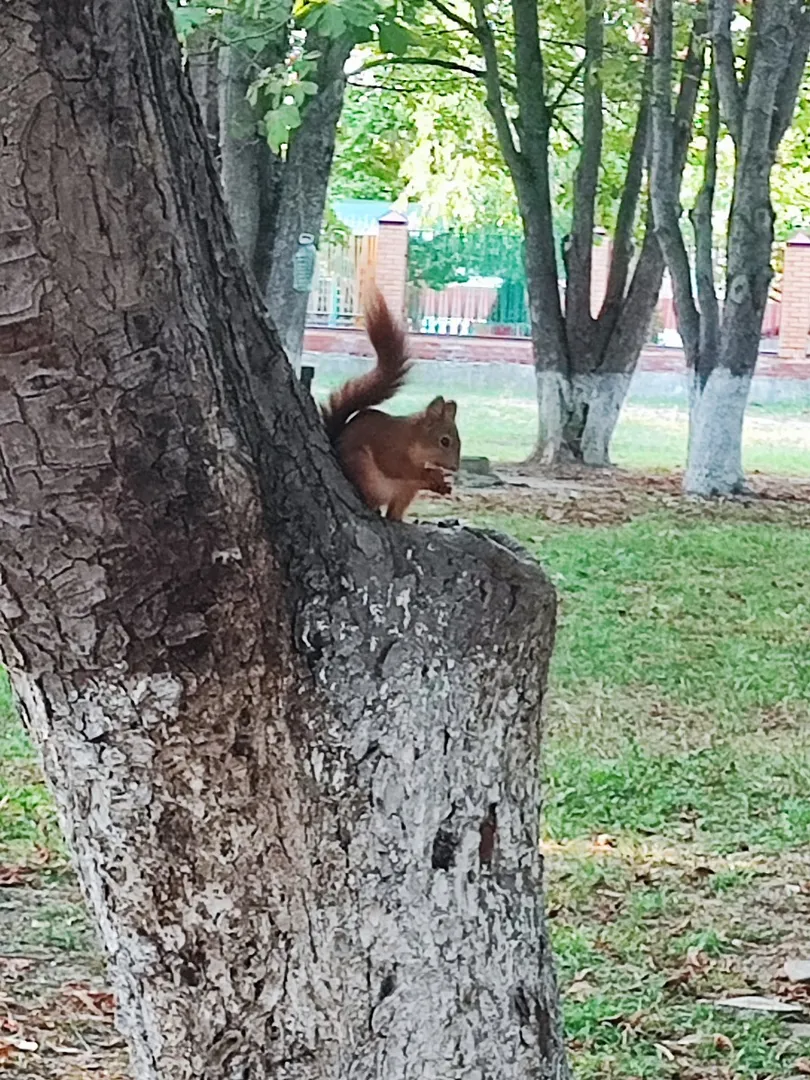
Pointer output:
x,y
390,458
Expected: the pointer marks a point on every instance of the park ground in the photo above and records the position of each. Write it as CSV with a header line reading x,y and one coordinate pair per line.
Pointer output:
x,y
677,769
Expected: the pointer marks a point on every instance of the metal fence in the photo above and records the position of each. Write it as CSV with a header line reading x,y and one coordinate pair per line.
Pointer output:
x,y
467,283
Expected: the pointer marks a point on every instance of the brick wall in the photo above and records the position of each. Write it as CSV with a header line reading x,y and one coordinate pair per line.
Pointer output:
x,y
795,313
392,260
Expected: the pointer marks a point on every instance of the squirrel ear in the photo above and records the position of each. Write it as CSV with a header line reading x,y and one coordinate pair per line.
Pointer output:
x,y
436,408
450,409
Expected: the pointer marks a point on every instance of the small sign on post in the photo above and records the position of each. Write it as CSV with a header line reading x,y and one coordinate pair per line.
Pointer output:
x,y
304,263
307,375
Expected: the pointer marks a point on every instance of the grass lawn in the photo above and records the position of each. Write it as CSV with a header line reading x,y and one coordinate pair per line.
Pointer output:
x,y
677,790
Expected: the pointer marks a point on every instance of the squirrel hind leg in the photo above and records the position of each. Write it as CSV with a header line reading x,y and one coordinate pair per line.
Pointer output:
x,y
400,503
361,469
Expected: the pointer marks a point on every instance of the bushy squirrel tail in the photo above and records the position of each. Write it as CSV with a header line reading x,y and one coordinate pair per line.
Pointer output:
x,y
381,383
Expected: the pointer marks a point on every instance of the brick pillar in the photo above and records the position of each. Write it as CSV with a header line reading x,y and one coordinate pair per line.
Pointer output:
x,y
392,260
600,268
794,315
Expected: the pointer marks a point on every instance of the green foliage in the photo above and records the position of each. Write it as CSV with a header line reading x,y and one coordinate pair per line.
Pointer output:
x,y
439,259
333,231
374,138
27,816
284,41
430,138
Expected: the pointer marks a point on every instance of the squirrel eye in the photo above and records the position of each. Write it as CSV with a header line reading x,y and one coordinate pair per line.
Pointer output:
x,y
445,440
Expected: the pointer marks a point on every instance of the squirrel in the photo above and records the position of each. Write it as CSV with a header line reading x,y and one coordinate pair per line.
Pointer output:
x,y
390,458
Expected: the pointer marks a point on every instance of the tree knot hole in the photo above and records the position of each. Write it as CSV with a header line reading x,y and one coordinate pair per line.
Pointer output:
x,y
388,985
444,849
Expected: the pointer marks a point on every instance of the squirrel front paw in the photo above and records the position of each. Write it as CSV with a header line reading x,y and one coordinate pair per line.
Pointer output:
x,y
435,480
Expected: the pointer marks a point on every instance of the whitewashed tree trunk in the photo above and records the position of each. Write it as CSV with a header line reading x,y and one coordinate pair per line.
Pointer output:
x,y
721,345
590,403
584,360
605,395
294,746
717,412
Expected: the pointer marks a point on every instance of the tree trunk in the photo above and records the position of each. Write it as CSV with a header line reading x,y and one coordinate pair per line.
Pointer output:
x,y
273,199
294,746
584,369
251,173
722,351
717,411
302,196
579,408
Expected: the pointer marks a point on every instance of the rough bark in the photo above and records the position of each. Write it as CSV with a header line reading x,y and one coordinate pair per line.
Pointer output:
x,y
203,68
722,352
294,747
584,365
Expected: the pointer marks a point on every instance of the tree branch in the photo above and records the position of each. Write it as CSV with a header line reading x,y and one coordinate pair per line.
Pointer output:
x,y
664,189
535,119
494,95
628,205
691,78
453,16
701,218
586,179
731,101
569,82
791,80
571,135
427,61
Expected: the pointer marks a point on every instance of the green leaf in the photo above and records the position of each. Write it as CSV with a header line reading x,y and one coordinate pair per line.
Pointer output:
x,y
280,122
395,38
277,131
289,113
189,17
332,22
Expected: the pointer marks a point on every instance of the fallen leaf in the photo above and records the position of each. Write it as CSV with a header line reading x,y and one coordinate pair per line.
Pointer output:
x,y
797,970
604,840
802,1066
13,875
756,1003
678,978
691,1040
579,989
7,1051
16,963
722,1042
97,1001
700,871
